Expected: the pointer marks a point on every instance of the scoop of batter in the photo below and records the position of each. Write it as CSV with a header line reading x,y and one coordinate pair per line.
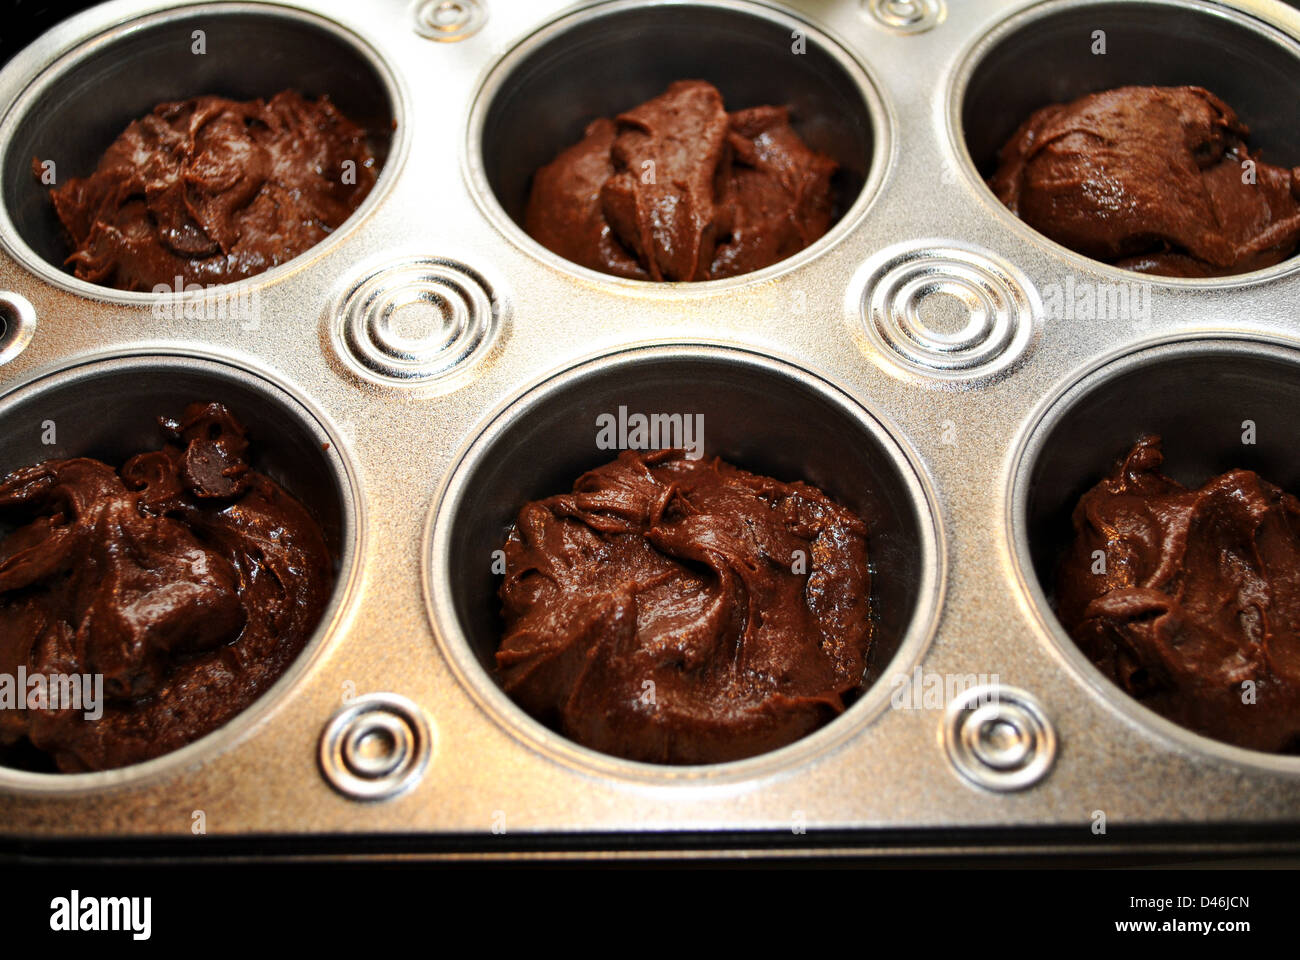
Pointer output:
x,y
684,611
213,191
186,579
678,189
1200,593
1153,179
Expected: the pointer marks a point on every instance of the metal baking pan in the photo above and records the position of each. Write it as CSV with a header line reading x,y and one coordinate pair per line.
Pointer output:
x,y
932,362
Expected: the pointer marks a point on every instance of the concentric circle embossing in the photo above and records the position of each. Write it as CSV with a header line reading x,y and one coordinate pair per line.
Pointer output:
x,y
17,323
907,16
947,311
416,320
376,747
448,21
999,737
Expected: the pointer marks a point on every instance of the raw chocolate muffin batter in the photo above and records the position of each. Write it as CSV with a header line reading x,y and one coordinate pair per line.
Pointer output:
x,y
1151,179
679,189
661,611
1201,592
187,579
212,191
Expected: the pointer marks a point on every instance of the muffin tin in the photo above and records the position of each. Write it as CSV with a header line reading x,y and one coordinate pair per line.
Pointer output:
x,y
931,362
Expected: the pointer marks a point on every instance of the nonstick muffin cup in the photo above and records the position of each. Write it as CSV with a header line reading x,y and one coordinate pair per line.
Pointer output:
x,y
127,394
1058,52
1217,405
601,61
759,414
80,105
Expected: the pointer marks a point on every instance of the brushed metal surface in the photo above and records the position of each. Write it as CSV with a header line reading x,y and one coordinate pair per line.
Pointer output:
x,y
787,335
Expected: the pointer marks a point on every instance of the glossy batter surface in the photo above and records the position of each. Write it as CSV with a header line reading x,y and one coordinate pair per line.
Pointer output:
x,y
685,611
678,189
187,580
1154,179
1197,610
214,190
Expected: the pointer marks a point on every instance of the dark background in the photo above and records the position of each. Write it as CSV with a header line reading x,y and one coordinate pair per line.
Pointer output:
x,y
22,21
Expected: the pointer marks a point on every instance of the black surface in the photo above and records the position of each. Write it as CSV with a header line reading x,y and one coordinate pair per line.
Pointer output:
x,y
22,21
605,911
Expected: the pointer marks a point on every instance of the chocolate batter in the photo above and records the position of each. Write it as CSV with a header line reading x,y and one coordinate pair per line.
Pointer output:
x,y
684,611
679,189
212,191
1151,179
1201,592
187,579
